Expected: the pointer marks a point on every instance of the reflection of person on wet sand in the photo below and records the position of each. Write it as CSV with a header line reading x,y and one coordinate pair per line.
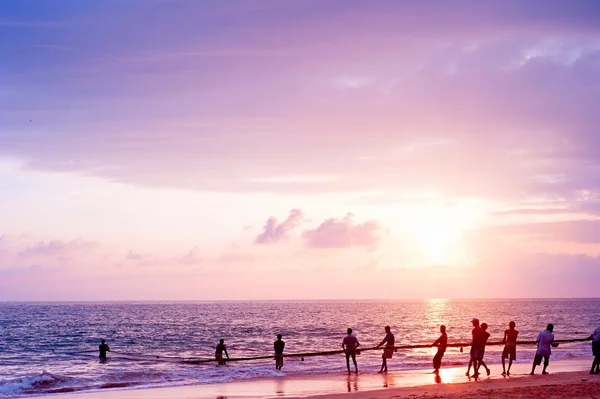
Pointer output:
x,y
352,383
441,343
388,352
349,345
388,380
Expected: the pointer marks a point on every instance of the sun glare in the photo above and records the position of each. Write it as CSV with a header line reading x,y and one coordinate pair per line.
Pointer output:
x,y
438,231
436,239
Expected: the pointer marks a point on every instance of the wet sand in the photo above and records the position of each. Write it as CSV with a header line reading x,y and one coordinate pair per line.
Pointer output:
x,y
568,378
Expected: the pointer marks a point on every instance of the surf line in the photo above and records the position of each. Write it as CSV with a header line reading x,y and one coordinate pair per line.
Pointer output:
x,y
326,353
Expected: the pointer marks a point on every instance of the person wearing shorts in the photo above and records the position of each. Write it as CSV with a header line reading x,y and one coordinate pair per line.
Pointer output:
x,y
388,352
595,337
510,347
441,343
476,352
484,337
278,346
349,345
545,340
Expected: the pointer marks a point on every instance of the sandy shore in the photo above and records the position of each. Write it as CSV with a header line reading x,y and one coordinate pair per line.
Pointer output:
x,y
568,379
573,385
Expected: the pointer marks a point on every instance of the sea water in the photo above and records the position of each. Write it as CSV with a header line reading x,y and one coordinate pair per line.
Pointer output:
x,y
49,348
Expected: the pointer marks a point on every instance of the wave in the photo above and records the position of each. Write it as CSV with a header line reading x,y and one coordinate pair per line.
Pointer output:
x,y
33,384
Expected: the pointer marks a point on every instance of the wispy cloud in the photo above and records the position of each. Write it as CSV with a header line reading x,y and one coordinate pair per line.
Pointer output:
x,y
274,231
57,248
343,233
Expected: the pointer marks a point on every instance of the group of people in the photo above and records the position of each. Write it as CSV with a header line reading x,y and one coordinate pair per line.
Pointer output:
x,y
480,336
545,343
350,346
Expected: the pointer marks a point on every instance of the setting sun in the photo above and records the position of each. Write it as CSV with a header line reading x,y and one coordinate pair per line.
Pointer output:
x,y
437,239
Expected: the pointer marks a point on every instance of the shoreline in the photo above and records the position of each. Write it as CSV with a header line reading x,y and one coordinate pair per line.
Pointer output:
x,y
409,382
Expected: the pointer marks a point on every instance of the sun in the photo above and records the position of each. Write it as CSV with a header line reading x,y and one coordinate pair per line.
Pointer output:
x,y
433,233
438,231
437,239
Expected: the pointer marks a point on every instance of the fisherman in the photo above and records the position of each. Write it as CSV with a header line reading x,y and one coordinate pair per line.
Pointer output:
x,y
349,345
441,343
510,347
484,337
278,346
475,353
388,352
103,348
595,337
219,352
544,341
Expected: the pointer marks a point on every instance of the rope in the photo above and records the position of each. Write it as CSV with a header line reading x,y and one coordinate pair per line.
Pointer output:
x,y
322,353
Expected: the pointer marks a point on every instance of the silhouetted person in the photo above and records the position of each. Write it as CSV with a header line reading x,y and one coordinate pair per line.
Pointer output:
x,y
103,348
475,352
595,337
484,337
389,340
349,345
441,343
278,346
510,347
219,352
544,341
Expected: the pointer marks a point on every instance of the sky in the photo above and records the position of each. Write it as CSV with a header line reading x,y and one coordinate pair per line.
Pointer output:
x,y
241,150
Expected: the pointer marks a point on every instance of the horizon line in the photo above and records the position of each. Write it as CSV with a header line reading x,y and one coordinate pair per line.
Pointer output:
x,y
3,301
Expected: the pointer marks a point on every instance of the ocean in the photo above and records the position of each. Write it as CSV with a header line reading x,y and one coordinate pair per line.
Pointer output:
x,y
48,348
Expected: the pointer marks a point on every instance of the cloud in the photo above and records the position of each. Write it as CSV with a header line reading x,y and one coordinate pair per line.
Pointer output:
x,y
57,249
194,257
533,211
275,231
580,231
134,256
343,233
519,103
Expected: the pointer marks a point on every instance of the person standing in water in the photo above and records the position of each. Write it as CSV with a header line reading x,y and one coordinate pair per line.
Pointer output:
x,y
544,340
278,346
103,348
595,337
510,347
389,341
219,352
349,345
441,343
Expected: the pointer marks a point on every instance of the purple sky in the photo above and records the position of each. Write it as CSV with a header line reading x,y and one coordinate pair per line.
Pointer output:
x,y
182,145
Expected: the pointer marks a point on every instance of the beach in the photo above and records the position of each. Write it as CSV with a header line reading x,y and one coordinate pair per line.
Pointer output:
x,y
574,385
568,378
